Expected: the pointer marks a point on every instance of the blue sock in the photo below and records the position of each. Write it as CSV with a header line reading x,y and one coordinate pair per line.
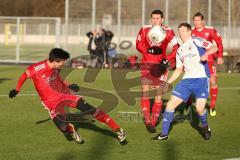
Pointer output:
x,y
167,119
203,119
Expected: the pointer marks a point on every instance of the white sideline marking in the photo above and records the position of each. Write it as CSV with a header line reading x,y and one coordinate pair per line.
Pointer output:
x,y
122,112
123,91
21,94
233,159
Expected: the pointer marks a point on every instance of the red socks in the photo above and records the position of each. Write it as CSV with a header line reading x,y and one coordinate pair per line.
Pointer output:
x,y
213,94
145,105
156,110
106,119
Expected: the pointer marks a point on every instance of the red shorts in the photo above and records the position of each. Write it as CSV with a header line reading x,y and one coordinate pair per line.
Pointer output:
x,y
212,69
56,106
148,79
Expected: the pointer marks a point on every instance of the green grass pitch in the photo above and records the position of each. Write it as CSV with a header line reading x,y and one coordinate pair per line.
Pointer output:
x,y
22,138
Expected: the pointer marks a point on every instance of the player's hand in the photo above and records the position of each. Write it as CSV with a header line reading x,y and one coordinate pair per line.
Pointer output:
x,y
164,65
220,60
204,57
74,87
154,50
169,82
157,70
13,93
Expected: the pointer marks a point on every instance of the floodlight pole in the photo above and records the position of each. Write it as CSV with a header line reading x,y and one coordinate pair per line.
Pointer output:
x,y
189,11
118,23
209,12
93,14
229,13
229,20
66,23
18,41
143,11
166,11
58,32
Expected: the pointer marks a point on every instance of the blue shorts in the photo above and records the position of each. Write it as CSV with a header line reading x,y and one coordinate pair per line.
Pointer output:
x,y
199,87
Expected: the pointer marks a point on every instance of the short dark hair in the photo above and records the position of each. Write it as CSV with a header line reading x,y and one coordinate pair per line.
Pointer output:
x,y
157,11
198,14
188,26
58,54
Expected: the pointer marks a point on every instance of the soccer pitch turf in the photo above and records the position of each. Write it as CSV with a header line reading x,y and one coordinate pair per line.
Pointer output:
x,y
21,137
36,52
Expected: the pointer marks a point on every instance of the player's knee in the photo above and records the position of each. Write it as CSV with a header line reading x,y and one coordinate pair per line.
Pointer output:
x,y
158,99
63,128
170,106
85,107
145,91
200,109
213,82
145,87
144,94
213,85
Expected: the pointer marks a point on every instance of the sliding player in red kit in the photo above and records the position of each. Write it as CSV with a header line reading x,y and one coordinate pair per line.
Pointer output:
x,y
55,94
153,53
209,34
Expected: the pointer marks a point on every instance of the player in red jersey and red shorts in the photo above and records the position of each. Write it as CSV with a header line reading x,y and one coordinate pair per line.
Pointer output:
x,y
55,94
154,63
209,34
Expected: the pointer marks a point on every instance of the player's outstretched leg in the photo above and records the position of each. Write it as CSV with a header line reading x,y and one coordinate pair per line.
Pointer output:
x,y
121,135
202,115
67,128
102,117
106,119
168,117
72,131
205,128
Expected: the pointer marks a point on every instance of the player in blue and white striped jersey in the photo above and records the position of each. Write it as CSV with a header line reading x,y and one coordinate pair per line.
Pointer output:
x,y
192,59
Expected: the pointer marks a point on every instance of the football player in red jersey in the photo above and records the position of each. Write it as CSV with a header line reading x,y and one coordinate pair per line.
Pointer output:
x,y
55,94
154,54
209,34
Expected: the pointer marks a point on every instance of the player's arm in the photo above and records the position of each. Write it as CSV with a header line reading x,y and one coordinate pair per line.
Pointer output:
x,y
211,49
140,42
73,87
217,38
171,57
21,81
177,72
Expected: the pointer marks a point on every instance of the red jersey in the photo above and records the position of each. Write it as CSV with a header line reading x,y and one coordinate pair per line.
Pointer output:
x,y
210,34
47,81
143,43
